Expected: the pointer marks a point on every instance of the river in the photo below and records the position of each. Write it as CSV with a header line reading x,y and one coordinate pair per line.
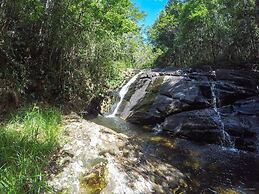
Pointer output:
x,y
207,168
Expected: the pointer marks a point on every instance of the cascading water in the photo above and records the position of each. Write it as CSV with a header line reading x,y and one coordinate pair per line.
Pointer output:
x,y
212,167
123,92
226,140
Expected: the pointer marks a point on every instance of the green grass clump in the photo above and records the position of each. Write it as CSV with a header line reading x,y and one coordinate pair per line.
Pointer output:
x,y
26,142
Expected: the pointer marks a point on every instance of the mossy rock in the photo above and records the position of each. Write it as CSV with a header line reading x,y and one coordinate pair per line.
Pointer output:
x,y
150,96
226,191
94,181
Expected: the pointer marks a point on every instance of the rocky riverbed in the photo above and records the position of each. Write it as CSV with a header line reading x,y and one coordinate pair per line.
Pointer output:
x,y
122,158
183,131
96,159
216,106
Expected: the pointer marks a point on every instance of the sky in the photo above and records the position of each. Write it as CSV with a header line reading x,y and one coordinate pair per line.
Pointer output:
x,y
152,8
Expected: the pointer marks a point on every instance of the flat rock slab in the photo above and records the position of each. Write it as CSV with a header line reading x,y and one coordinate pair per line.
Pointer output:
x,y
95,159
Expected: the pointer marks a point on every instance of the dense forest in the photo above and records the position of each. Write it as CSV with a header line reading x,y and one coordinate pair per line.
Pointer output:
x,y
73,51
68,51
206,32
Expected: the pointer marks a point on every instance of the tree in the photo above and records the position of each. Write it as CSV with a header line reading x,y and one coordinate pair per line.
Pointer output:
x,y
65,50
209,32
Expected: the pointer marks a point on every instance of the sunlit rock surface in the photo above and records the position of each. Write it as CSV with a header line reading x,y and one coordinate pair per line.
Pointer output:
x,y
95,159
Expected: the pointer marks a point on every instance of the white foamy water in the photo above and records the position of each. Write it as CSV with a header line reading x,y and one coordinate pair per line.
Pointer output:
x,y
123,92
226,140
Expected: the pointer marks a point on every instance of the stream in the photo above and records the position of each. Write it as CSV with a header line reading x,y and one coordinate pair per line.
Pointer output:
x,y
207,168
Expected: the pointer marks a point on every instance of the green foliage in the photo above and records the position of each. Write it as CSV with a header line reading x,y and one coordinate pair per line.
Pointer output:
x,y
26,142
67,50
211,32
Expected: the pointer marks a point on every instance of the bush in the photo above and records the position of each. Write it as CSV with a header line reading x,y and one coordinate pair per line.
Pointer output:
x,y
66,51
26,142
197,32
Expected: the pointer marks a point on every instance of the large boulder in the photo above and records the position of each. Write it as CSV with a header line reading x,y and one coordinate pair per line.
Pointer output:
x,y
198,105
197,125
235,85
141,92
155,96
239,121
166,95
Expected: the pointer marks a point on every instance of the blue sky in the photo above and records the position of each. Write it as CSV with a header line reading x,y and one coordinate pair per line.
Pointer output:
x,y
152,9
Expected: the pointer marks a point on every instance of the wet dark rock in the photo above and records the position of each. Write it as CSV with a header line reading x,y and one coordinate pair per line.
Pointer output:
x,y
197,125
198,105
170,94
236,85
137,92
203,125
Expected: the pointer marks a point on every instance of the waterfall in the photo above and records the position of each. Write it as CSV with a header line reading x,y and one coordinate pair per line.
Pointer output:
x,y
226,140
123,92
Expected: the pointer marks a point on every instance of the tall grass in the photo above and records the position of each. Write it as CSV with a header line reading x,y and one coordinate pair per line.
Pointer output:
x,y
26,142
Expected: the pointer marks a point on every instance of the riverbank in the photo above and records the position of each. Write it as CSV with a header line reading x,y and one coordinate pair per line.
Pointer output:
x,y
113,155
122,158
96,159
27,140
109,155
